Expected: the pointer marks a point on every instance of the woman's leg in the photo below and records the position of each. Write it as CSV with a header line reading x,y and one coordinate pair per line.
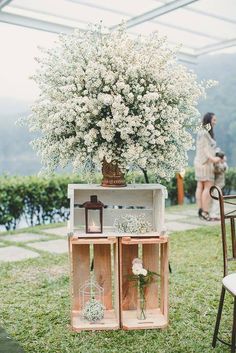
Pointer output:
x,y
206,198
198,194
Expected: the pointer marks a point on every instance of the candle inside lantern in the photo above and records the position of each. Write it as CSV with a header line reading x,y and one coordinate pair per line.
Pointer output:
x,y
93,228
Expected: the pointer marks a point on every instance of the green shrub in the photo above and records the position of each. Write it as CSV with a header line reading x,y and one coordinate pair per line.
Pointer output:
x,y
190,185
39,200
12,191
230,181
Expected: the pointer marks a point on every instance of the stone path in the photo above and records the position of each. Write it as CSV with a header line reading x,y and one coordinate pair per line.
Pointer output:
x,y
61,231
23,237
53,246
184,219
23,246
16,253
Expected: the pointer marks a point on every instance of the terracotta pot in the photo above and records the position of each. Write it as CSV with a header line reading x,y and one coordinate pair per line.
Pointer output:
x,y
112,175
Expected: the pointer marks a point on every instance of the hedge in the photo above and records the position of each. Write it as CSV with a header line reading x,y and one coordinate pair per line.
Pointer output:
x,y
44,200
38,200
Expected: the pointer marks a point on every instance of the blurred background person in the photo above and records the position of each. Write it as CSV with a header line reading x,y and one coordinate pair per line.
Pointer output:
x,y
219,170
204,165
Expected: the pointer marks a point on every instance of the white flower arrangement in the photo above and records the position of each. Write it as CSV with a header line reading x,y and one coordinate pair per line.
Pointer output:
x,y
143,277
93,310
132,224
110,96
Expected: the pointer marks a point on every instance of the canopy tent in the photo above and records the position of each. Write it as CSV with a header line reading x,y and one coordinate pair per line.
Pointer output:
x,y
202,26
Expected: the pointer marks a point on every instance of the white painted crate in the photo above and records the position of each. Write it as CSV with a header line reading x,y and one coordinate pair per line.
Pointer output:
x,y
135,199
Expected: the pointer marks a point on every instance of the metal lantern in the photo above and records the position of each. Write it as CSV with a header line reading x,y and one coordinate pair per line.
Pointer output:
x,y
93,215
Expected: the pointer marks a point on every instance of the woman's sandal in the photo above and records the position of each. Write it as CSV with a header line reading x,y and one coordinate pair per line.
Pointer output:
x,y
204,215
199,212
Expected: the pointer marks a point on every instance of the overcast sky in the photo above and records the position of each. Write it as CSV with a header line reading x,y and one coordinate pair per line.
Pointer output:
x,y
18,49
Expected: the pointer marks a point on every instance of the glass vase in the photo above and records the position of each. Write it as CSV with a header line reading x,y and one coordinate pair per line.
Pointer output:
x,y
141,308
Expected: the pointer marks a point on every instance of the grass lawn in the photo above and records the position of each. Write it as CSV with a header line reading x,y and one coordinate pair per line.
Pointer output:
x,y
35,304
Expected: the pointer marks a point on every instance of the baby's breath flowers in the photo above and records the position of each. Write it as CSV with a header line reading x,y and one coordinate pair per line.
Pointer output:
x,y
132,224
106,95
93,311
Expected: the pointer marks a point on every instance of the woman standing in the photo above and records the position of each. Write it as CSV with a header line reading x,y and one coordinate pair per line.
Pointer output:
x,y
204,165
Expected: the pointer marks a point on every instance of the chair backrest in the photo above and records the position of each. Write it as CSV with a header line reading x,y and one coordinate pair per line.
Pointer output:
x,y
230,214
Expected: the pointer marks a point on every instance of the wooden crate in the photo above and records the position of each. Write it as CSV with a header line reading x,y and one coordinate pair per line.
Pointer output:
x,y
104,252
135,199
154,253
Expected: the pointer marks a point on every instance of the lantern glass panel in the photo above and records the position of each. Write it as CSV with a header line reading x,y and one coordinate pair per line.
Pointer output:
x,y
94,221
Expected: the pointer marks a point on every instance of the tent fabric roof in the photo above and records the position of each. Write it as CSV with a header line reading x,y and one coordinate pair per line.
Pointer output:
x,y
202,26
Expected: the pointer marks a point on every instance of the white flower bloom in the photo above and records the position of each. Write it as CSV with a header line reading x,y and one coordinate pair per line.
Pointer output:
x,y
143,272
107,95
137,269
137,261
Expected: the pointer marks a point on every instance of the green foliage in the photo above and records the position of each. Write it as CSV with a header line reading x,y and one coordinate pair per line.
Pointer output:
x,y
190,185
171,187
230,181
12,191
39,200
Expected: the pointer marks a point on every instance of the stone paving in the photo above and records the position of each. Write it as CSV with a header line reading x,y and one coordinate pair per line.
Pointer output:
x,y
177,226
59,246
23,237
16,253
185,220
61,231
51,239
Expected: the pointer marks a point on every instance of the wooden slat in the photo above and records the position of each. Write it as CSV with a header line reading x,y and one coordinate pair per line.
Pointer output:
x,y
158,210
155,319
109,322
164,279
109,235
121,197
129,291
116,281
129,240
76,240
80,271
102,270
71,222
151,262
110,215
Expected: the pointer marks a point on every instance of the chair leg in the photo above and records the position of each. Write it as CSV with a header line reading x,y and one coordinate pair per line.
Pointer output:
x,y
217,325
234,329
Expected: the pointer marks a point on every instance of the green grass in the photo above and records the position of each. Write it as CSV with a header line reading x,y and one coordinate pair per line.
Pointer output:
x,y
35,304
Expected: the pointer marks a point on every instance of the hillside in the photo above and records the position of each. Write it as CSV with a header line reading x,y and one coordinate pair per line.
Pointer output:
x,y
16,155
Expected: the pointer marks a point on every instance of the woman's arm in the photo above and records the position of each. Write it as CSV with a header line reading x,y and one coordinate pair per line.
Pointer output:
x,y
208,150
